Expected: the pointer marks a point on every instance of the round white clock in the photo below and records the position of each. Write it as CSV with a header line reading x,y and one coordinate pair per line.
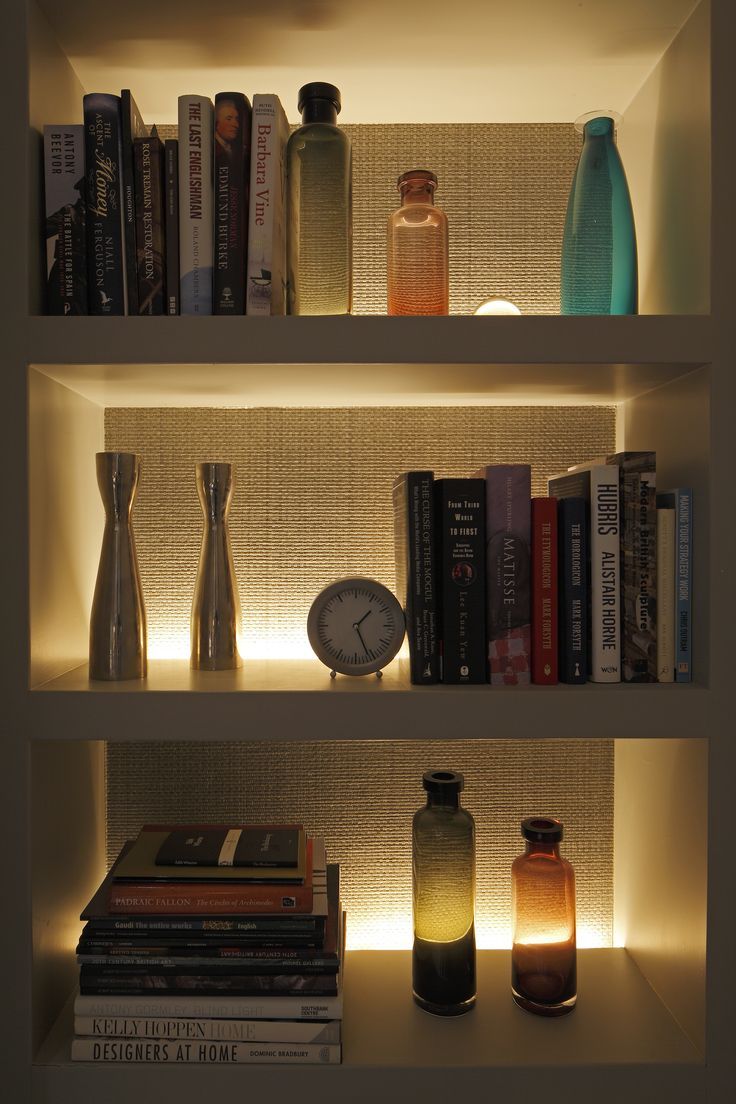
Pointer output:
x,y
355,626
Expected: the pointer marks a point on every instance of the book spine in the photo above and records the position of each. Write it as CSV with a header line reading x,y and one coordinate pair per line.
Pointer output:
x,y
254,927
638,565
173,898
231,186
291,1007
264,1031
164,1051
65,230
106,269
149,200
573,591
213,963
414,542
131,127
460,510
666,543
684,581
206,984
195,205
605,575
544,591
508,579
171,233
266,284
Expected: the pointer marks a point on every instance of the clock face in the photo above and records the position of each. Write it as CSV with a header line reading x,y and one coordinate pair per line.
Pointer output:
x,y
356,626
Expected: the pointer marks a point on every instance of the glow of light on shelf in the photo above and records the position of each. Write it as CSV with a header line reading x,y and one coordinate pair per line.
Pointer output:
x,y
497,306
176,646
393,932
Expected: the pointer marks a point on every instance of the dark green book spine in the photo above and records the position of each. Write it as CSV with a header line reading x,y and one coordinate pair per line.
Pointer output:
x,y
460,511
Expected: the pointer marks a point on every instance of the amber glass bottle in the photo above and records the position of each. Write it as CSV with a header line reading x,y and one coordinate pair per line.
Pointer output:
x,y
543,973
443,854
418,267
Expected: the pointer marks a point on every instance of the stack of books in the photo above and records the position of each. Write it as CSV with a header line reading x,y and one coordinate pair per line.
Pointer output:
x,y
213,944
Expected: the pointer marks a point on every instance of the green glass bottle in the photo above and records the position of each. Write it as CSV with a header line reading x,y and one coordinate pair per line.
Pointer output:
x,y
443,854
319,202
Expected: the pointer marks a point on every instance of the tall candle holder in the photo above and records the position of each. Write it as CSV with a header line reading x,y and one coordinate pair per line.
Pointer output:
x,y
215,625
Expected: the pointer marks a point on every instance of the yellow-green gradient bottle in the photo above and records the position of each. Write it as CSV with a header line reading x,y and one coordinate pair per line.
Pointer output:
x,y
443,853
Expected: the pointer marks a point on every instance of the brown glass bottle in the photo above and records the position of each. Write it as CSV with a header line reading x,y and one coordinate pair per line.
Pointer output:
x,y
543,959
417,255
443,857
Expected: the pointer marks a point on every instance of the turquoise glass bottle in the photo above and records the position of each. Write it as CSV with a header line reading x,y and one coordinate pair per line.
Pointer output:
x,y
599,263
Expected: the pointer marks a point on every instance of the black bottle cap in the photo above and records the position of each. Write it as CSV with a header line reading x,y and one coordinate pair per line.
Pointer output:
x,y
319,91
416,174
443,782
542,829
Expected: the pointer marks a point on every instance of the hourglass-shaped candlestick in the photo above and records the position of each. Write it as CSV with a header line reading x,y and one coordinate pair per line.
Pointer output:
x,y
216,605
117,631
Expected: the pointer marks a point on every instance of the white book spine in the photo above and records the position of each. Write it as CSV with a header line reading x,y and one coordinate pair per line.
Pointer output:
x,y
238,1008
605,573
196,227
167,1027
176,1051
266,276
666,595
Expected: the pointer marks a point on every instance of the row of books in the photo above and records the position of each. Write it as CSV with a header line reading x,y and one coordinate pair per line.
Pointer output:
x,y
592,583
193,225
212,944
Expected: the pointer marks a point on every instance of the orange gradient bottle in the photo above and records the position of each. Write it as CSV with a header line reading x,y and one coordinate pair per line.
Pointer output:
x,y
543,958
418,266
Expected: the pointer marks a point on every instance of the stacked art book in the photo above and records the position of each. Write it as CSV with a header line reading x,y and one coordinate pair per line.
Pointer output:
x,y
213,944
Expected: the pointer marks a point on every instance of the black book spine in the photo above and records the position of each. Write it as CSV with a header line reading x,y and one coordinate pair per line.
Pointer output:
x,y
65,231
149,204
105,249
573,596
415,548
460,512
131,127
232,185
171,158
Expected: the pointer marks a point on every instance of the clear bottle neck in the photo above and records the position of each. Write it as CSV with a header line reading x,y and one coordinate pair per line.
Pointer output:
x,y
443,801
317,110
417,191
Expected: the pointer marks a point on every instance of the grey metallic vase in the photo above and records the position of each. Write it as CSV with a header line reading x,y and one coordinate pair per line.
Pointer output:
x,y
216,605
117,631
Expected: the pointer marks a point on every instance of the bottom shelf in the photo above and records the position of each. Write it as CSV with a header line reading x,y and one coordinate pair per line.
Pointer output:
x,y
620,1038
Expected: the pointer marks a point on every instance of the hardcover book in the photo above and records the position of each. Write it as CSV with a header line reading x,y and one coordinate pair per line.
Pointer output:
x,y
638,564
132,127
416,583
106,265
171,235
65,234
267,1031
266,287
508,572
544,591
598,484
276,1007
260,846
460,513
666,542
681,501
148,155
196,227
163,1051
573,590
232,185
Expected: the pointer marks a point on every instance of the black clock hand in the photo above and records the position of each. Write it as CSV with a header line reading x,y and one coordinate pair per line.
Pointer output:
x,y
362,619
360,636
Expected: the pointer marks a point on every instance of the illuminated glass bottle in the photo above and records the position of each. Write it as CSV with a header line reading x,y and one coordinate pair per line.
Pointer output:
x,y
443,854
318,201
417,256
543,958
599,260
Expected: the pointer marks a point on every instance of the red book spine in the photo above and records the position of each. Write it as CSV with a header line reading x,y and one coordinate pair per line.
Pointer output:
x,y
185,899
544,591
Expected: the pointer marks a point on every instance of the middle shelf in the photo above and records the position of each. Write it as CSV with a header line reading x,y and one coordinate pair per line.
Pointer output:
x,y
296,700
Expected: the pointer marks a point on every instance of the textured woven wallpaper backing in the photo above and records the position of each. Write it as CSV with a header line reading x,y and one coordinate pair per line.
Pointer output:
x,y
504,188
361,796
313,502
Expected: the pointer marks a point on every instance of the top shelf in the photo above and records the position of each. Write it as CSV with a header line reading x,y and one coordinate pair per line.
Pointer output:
x,y
567,58
403,361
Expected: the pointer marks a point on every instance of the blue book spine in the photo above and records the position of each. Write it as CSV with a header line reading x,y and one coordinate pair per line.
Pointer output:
x,y
105,240
682,502
573,583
